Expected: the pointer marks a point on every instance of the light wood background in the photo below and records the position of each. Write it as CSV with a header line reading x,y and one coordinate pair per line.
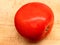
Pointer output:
x,y
8,33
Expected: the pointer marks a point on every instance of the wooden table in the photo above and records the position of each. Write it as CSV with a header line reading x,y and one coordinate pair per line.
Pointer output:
x,y
8,33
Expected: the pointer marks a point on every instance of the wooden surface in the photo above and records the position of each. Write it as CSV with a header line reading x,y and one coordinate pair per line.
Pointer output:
x,y
8,33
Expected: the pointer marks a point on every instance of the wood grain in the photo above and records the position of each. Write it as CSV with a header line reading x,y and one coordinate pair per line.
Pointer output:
x,y
8,33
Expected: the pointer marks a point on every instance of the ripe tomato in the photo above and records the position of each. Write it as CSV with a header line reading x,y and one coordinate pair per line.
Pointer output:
x,y
34,20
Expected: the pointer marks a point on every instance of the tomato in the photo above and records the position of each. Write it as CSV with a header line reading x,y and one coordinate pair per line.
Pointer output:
x,y
34,20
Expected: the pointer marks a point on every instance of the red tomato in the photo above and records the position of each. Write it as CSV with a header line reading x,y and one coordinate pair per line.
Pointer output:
x,y
34,20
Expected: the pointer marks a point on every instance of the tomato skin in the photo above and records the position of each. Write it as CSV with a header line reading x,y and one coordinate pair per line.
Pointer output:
x,y
33,19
